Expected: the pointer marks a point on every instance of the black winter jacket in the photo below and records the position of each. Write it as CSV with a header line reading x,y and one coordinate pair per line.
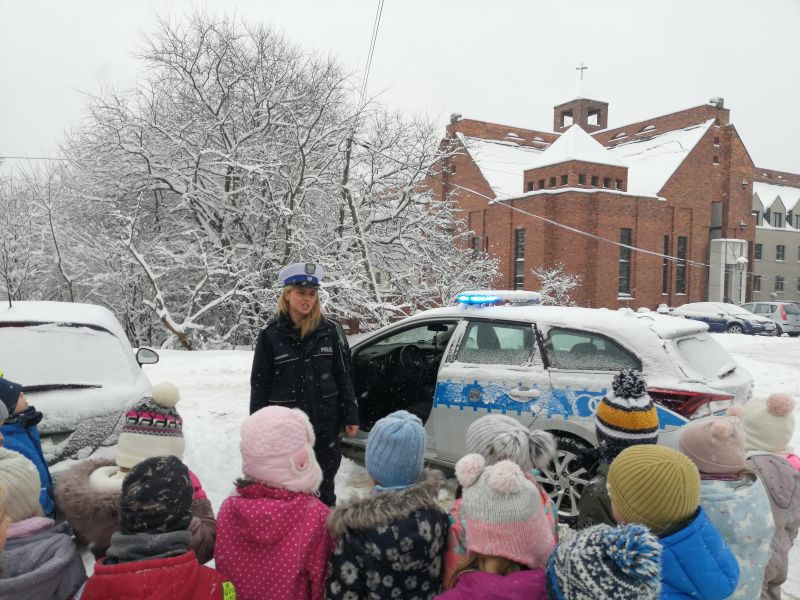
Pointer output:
x,y
312,373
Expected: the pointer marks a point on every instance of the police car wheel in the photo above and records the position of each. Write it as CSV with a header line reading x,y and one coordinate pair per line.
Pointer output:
x,y
565,478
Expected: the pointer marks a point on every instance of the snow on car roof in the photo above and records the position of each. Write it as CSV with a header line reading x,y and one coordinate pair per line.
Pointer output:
x,y
61,312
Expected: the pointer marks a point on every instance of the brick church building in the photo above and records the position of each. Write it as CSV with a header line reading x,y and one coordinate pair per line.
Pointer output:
x,y
678,188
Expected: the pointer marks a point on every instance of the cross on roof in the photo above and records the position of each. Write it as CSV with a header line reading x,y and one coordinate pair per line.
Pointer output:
x,y
582,68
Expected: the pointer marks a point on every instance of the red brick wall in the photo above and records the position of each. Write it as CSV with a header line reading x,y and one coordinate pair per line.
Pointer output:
x,y
776,177
677,120
572,169
580,109
496,131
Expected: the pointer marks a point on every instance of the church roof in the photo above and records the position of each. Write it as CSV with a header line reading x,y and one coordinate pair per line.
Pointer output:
x,y
501,163
576,144
768,192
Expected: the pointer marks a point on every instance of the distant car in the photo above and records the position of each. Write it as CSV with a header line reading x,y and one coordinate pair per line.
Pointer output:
x,y
546,366
721,316
76,366
785,315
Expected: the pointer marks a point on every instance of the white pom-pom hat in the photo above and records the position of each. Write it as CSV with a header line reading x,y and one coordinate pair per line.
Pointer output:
x,y
769,424
152,427
505,512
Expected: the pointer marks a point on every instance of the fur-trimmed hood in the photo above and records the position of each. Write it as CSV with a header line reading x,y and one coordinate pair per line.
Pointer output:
x,y
384,508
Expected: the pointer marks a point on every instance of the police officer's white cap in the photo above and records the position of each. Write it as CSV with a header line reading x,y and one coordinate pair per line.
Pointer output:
x,y
306,274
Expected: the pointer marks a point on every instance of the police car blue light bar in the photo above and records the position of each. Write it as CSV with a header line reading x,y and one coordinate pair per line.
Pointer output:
x,y
496,297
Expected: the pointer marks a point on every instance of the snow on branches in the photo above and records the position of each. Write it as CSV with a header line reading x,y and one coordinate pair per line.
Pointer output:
x,y
555,284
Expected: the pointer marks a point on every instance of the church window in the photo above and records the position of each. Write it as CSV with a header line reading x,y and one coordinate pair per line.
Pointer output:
x,y
563,180
619,184
530,186
716,160
595,180
594,117
582,179
541,184
552,182
566,118
606,182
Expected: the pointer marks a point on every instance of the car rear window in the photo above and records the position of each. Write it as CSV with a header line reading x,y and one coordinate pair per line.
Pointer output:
x,y
51,353
792,309
705,356
583,351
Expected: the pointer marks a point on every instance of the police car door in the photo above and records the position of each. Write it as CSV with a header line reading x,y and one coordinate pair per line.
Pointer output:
x,y
490,367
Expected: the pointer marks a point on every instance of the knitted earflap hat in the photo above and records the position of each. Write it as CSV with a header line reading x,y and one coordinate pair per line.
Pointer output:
x,y
277,446
606,562
152,427
627,417
500,437
21,480
715,445
395,454
503,512
156,497
655,486
9,396
768,424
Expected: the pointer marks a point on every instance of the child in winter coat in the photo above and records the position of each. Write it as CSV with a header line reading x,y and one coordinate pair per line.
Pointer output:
x,y
497,438
272,537
510,535
734,500
623,563
150,557
390,544
88,493
20,432
660,488
39,560
769,426
625,418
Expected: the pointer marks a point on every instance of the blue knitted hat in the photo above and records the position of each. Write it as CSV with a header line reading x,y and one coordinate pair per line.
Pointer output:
x,y
606,562
396,450
9,396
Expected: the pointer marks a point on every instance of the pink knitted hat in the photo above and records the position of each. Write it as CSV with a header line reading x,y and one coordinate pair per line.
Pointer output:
x,y
504,512
277,445
715,445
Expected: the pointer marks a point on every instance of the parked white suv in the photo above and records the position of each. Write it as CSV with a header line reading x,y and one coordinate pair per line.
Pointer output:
x,y
546,366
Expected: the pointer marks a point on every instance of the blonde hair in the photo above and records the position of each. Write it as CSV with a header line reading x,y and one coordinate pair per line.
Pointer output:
x,y
312,321
476,561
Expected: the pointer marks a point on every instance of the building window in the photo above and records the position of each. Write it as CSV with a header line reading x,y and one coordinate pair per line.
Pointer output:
x,y
665,267
716,160
778,283
798,253
530,186
475,245
680,271
757,252
797,221
552,182
566,118
619,184
595,180
780,252
756,283
757,215
777,219
594,117
563,180
625,236
519,259
541,184
798,284
606,182
582,179
716,142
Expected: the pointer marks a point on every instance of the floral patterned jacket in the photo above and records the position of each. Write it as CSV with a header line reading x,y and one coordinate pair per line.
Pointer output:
x,y
390,545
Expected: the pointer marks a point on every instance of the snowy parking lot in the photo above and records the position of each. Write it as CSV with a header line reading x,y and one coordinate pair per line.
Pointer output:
x,y
215,396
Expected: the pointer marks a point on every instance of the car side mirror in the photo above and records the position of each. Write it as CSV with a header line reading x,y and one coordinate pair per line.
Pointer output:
x,y
146,356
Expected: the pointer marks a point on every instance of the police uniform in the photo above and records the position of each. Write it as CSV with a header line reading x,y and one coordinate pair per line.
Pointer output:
x,y
312,374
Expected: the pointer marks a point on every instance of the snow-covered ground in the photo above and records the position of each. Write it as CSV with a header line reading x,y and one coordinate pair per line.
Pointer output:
x,y
215,396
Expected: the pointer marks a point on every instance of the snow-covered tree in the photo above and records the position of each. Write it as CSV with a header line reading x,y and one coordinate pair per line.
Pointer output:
x,y
555,284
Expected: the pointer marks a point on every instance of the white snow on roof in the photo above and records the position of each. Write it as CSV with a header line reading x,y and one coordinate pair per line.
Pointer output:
x,y
652,162
576,144
768,192
501,163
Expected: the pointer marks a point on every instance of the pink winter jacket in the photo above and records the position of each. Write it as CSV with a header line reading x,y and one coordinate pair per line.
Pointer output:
x,y
273,543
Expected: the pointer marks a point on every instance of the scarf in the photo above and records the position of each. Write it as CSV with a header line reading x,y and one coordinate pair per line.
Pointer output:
x,y
132,547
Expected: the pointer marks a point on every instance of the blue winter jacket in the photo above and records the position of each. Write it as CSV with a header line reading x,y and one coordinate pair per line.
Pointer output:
x,y
22,435
696,564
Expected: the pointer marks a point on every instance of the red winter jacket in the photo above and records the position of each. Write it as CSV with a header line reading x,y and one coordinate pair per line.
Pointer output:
x,y
177,578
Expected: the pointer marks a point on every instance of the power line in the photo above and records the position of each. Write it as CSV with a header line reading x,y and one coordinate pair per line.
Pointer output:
x,y
371,52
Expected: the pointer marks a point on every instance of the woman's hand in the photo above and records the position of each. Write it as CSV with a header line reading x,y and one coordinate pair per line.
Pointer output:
x,y
351,430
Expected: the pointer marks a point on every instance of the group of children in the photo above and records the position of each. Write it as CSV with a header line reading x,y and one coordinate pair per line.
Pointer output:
x,y
715,519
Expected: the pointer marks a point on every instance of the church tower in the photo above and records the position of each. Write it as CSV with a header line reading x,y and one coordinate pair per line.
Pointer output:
x,y
590,115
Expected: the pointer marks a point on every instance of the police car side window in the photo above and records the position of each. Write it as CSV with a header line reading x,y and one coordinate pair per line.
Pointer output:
x,y
496,344
583,351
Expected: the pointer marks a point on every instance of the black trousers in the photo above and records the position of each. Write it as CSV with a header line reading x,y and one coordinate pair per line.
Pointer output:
x,y
328,450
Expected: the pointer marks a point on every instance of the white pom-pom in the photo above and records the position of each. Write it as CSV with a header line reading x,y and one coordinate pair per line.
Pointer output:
x,y
737,410
780,405
469,468
505,478
722,429
166,394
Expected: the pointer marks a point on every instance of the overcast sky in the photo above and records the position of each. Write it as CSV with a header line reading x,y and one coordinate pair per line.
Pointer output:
x,y
503,61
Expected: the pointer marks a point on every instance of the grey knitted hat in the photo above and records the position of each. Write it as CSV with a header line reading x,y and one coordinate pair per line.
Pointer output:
x,y
606,562
21,480
500,437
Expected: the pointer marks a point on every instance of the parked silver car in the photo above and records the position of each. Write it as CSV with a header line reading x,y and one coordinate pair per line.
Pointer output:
x,y
785,315
546,366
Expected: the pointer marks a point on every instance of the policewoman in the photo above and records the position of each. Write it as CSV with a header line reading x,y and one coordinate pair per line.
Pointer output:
x,y
302,360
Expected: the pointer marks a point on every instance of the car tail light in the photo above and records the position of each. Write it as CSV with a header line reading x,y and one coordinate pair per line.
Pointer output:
x,y
783,312
688,404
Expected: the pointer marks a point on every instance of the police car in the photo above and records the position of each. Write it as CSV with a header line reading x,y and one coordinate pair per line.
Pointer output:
x,y
499,352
